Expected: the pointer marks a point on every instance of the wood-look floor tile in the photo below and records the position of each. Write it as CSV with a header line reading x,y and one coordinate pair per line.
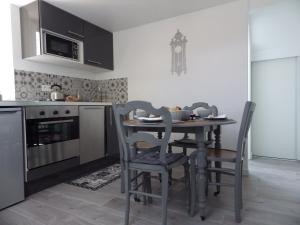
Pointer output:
x,y
271,197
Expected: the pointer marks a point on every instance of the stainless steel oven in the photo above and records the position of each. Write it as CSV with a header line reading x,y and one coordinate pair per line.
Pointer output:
x,y
62,46
52,136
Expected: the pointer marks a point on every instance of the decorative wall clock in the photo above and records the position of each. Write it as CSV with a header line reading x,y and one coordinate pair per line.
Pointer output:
x,y
178,50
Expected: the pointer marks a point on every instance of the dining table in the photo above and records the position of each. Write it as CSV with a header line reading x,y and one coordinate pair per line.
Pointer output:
x,y
199,127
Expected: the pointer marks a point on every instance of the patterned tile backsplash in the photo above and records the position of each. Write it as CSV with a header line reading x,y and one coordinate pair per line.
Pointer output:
x,y
29,87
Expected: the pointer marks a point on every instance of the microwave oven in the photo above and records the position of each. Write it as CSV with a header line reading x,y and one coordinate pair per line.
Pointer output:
x,y
61,46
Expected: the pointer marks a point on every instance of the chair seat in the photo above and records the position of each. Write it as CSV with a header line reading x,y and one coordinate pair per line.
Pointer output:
x,y
187,142
143,145
225,155
152,158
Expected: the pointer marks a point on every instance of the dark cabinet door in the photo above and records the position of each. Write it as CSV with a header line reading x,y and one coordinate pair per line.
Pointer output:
x,y
98,46
112,143
60,21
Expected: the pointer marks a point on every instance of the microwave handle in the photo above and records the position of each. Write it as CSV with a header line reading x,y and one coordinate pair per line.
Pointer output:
x,y
76,34
94,62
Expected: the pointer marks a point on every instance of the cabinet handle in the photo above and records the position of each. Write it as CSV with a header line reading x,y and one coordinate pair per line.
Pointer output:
x,y
94,62
76,34
6,110
95,107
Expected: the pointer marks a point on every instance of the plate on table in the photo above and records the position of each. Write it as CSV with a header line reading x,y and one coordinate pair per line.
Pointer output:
x,y
150,119
219,117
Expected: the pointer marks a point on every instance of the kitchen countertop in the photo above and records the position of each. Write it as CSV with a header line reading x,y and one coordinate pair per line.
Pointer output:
x,y
44,103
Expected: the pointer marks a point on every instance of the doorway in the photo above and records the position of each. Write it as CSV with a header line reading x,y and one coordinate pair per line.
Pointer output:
x,y
275,80
274,127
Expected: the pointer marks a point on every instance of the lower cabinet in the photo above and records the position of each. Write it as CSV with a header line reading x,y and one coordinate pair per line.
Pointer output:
x,y
112,142
11,157
92,133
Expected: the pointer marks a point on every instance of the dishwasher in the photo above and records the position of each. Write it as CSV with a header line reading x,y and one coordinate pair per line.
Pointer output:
x,y
11,157
92,133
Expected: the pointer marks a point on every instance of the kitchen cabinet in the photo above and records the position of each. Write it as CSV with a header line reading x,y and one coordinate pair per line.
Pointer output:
x,y
92,133
11,157
95,47
98,46
60,21
112,143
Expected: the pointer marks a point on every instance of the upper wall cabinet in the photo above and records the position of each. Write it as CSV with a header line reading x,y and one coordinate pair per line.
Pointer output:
x,y
59,21
52,35
98,47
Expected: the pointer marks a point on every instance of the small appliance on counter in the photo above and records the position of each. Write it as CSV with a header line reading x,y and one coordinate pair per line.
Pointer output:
x,y
56,93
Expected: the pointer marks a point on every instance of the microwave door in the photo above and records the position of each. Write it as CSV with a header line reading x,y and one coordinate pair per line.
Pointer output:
x,y
59,46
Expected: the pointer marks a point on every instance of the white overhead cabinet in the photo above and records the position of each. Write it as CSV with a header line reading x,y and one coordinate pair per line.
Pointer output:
x,y
92,133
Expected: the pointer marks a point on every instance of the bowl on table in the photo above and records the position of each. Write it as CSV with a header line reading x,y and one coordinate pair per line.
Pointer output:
x,y
180,115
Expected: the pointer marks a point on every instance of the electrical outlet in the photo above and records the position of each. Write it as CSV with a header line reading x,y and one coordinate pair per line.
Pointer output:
x,y
46,88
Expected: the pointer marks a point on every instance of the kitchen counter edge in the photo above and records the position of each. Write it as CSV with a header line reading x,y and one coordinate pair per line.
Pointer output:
x,y
48,103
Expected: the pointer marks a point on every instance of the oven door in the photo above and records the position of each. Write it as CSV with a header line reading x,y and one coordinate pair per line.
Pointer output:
x,y
51,140
58,45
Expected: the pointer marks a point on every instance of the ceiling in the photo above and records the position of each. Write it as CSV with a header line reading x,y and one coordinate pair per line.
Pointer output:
x,y
115,15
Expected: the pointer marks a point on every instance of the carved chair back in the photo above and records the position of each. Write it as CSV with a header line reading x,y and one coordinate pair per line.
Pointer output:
x,y
128,137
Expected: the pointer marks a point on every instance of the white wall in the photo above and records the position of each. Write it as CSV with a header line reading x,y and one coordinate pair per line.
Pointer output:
x,y
21,64
217,61
7,83
256,4
275,31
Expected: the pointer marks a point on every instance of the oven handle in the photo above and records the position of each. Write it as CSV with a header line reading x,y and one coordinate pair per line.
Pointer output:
x,y
56,122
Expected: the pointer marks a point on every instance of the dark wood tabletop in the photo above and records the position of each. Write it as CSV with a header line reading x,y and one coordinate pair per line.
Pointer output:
x,y
181,124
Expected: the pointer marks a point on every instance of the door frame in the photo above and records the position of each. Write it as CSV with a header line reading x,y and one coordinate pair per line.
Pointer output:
x,y
297,107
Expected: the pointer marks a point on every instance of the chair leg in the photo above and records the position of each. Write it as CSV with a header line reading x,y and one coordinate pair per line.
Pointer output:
x,y
241,193
193,179
170,150
237,198
184,151
187,185
164,200
241,189
145,188
136,197
122,178
209,174
127,189
149,187
218,178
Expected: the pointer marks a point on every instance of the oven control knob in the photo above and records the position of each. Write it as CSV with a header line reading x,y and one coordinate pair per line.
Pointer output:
x,y
42,113
67,111
55,112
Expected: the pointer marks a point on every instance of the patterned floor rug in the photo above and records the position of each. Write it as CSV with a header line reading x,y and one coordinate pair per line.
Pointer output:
x,y
98,179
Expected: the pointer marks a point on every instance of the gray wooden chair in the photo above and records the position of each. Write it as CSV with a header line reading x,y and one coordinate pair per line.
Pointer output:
x,y
231,156
187,142
140,148
143,164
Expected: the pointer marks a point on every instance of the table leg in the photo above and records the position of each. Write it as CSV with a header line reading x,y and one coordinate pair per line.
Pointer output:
x,y
159,136
202,163
217,133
